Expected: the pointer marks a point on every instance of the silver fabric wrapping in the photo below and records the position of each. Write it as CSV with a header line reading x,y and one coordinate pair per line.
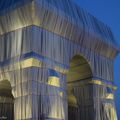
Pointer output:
x,y
58,61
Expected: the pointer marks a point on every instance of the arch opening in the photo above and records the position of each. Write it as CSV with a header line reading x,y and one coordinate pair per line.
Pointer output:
x,y
6,101
79,72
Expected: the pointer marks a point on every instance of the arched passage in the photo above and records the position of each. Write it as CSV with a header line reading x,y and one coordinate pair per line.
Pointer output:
x,y
78,74
6,101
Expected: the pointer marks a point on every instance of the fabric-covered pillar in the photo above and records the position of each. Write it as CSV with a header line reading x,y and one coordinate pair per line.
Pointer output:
x,y
38,94
91,99
104,104
23,94
49,99
94,100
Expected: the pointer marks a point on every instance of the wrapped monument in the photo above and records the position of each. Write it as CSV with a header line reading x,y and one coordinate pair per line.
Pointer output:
x,y
56,62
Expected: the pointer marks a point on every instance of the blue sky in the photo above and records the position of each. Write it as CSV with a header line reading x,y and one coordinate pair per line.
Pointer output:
x,y
108,11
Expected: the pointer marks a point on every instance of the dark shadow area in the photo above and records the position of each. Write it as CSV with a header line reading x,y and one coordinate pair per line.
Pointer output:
x,y
6,101
79,72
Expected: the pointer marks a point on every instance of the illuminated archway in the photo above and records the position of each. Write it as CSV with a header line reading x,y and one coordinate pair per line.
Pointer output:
x,y
6,101
79,72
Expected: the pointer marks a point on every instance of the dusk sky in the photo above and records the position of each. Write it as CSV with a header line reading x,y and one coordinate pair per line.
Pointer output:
x,y
108,11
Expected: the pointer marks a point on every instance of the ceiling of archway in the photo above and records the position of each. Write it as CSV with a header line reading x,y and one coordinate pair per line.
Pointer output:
x,y
79,69
5,89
